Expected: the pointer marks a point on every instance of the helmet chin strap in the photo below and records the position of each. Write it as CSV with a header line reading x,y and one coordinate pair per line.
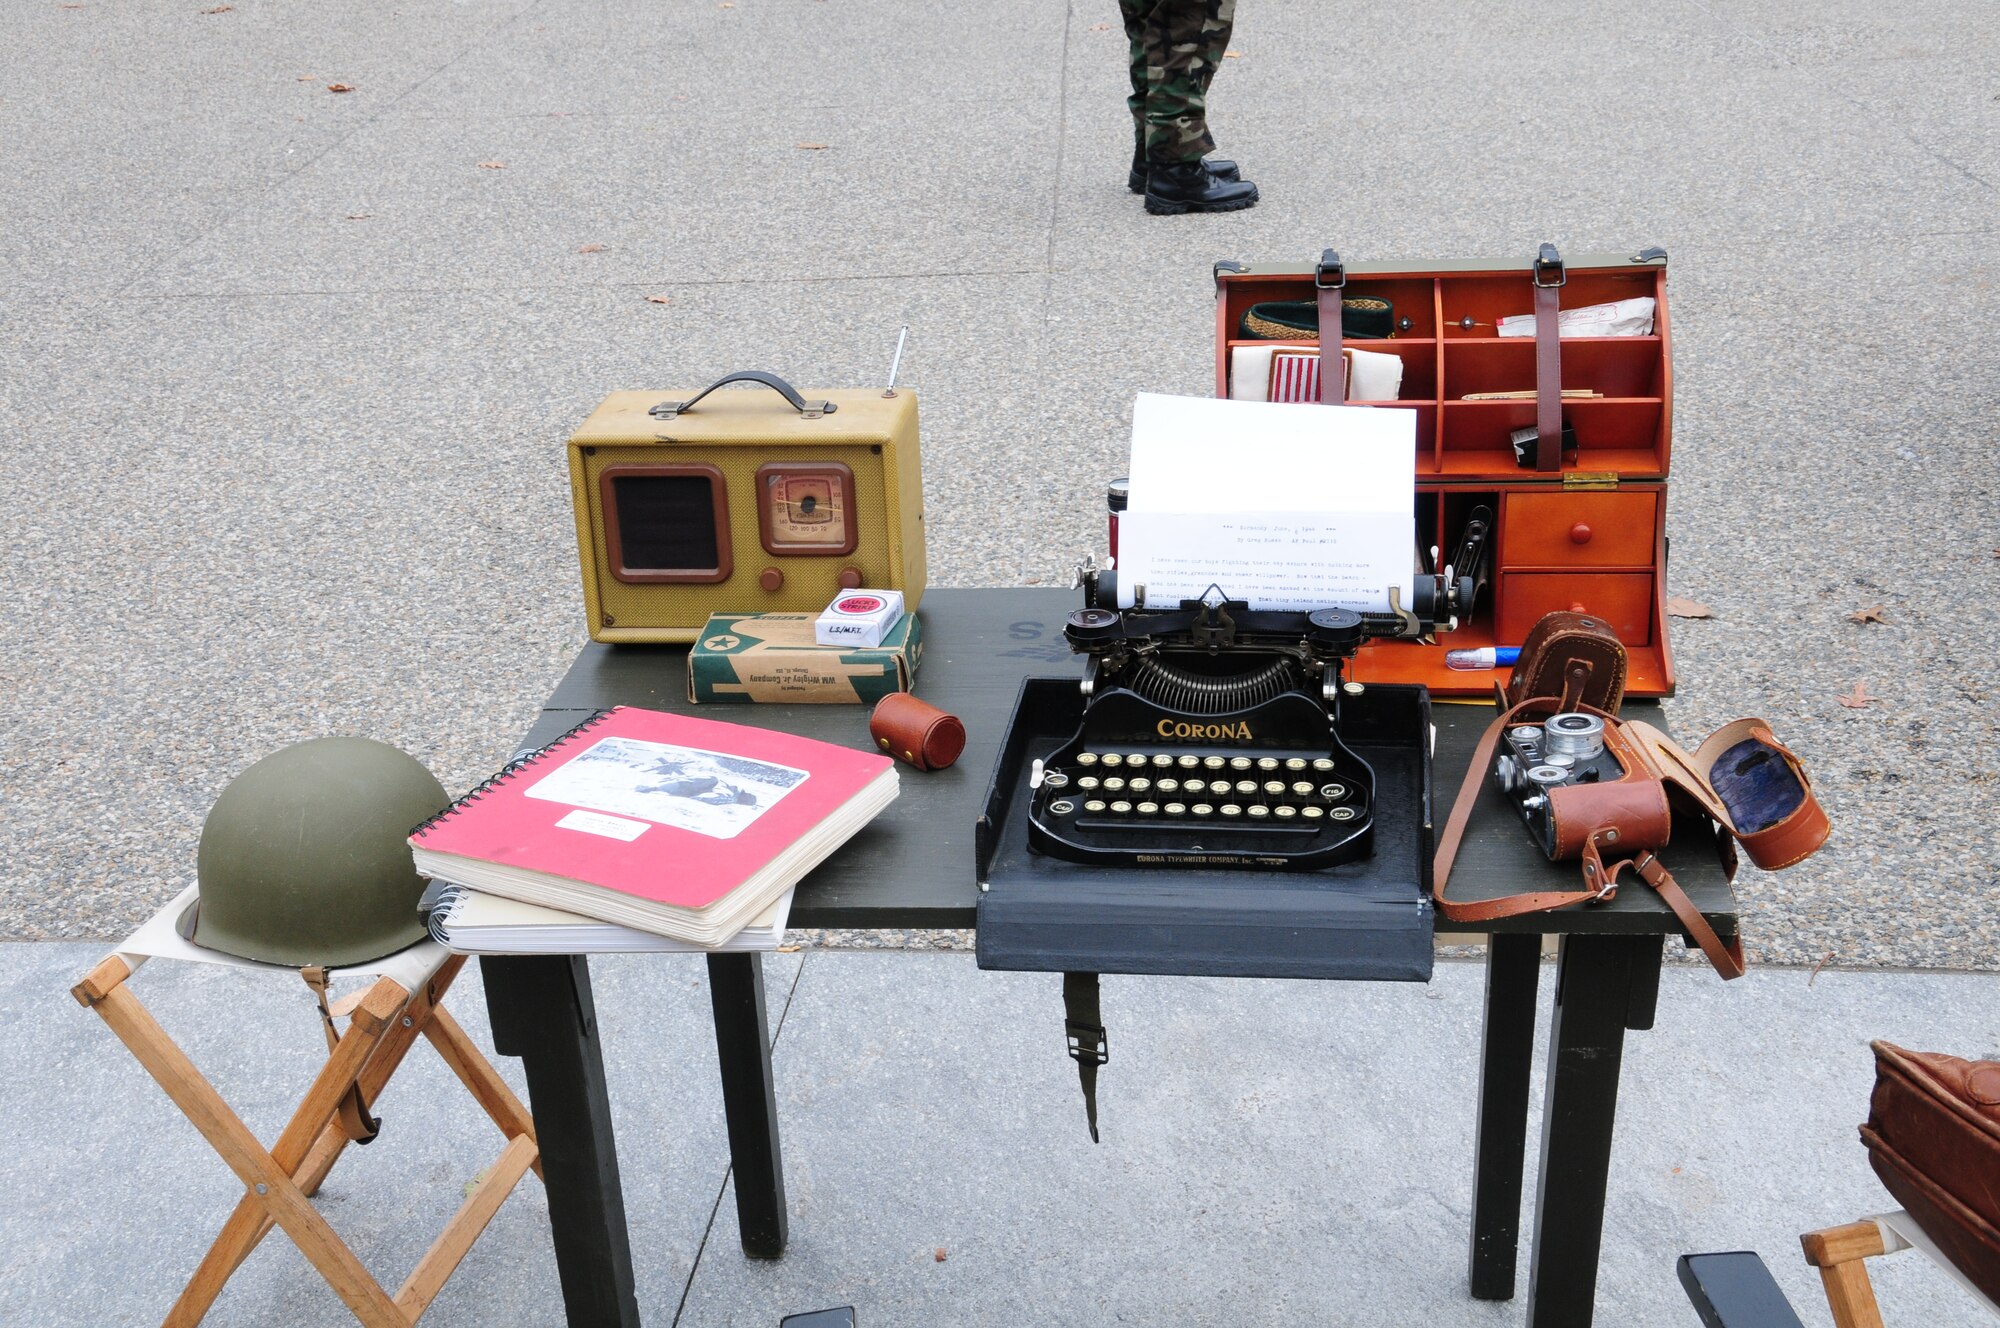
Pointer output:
x,y
355,1119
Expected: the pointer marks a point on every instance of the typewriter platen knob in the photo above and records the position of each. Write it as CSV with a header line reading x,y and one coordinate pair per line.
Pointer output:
x,y
1337,631
1088,627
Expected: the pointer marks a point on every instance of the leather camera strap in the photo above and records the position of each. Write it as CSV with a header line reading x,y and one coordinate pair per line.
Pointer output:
x,y
1329,281
1600,879
1549,278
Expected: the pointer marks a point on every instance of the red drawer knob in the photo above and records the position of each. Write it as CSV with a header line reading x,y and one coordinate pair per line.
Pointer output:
x,y
1579,533
1578,608
771,579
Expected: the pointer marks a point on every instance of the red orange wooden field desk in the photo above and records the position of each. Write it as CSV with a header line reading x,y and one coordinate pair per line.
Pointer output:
x,y
1591,536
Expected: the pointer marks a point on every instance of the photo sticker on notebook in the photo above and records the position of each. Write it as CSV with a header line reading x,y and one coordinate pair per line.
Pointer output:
x,y
710,793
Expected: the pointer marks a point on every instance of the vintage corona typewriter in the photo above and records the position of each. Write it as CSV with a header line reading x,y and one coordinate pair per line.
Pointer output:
x,y
1211,733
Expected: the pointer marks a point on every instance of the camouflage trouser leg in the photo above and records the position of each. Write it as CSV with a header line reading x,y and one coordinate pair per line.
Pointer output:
x,y
1176,46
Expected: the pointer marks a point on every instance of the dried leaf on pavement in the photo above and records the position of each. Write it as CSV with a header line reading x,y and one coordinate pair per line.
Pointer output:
x,y
220,9
1100,27
340,87
938,1254
1869,615
1232,55
590,248
1680,606
658,299
810,147
1857,698
492,165
359,216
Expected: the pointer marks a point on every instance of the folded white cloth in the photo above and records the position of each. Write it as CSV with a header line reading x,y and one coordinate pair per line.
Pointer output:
x,y
1621,318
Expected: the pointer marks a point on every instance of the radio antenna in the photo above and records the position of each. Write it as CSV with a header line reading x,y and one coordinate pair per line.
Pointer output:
x,y
895,365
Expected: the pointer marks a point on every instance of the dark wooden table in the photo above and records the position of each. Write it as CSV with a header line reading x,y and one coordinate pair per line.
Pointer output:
x,y
978,645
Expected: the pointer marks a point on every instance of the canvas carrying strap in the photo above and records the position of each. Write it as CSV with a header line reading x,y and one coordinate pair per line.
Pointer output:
x,y
1549,279
1084,1027
1329,280
1600,879
356,1122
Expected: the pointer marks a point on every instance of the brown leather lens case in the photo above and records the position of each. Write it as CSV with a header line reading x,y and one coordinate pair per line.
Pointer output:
x,y
916,731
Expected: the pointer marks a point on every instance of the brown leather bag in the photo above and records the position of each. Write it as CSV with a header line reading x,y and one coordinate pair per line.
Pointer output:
x,y
1933,1136
1742,778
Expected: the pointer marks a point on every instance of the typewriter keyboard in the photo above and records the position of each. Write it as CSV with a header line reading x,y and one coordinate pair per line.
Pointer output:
x,y
1197,790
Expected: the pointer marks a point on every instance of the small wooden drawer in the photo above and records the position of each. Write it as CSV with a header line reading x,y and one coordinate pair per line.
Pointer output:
x,y
1579,529
1623,601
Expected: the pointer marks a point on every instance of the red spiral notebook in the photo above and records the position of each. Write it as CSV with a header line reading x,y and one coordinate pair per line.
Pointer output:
x,y
685,827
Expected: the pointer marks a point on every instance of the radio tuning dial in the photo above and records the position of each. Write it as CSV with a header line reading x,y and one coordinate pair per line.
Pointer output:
x,y
772,579
850,578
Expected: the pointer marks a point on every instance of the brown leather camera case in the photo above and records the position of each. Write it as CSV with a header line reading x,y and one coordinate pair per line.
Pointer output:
x,y
916,731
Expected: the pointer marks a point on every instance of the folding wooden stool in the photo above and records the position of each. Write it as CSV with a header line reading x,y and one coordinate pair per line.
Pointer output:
x,y
384,1019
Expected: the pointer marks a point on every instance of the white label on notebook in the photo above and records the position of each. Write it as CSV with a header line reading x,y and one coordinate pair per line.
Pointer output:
x,y
597,823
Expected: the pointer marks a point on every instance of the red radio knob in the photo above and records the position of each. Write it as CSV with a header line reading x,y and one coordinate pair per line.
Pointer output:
x,y
850,578
1579,533
771,579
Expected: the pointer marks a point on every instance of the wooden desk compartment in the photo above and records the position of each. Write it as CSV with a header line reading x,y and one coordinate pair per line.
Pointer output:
x,y
1592,535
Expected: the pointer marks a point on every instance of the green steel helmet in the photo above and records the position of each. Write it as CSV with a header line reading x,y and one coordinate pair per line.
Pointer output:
x,y
305,858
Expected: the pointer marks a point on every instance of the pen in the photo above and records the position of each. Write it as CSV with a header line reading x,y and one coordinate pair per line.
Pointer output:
x,y
1487,657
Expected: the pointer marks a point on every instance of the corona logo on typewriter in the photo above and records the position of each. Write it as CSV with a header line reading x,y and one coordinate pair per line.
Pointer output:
x,y
689,504
1236,732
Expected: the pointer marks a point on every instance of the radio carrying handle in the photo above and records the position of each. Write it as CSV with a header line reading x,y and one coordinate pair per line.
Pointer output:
x,y
811,410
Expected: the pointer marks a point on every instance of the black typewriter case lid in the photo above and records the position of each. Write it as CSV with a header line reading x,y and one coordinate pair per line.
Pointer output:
x,y
1370,919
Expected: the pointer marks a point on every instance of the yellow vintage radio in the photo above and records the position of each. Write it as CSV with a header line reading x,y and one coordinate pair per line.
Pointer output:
x,y
741,502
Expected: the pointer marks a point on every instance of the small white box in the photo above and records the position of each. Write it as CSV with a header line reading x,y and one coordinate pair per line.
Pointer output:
x,y
859,618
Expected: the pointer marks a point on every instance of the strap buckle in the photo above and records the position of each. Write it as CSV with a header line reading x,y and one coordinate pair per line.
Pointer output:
x,y
1549,264
1331,273
1087,1043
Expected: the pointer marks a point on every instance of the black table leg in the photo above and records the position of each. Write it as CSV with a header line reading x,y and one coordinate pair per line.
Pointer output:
x,y
743,1046
542,1012
1506,1067
1604,984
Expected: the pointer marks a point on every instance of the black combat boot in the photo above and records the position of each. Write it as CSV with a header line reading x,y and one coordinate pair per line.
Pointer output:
x,y
1221,168
1176,187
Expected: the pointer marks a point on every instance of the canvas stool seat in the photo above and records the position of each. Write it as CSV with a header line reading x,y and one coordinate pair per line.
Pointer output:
x,y
404,1000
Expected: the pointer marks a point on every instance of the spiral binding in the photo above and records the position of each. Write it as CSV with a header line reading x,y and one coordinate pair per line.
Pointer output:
x,y
447,901
506,772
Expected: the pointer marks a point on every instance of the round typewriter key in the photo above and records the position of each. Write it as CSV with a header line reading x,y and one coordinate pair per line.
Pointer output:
x,y
1086,758
1273,788
1296,763
1214,762
1230,809
1055,779
1087,782
1313,813
1095,807
1333,792
1267,763
1162,761
1258,812
1284,811
1175,809
1202,809
1120,808
1136,761
1114,785
1239,763
1139,785
1246,788
1148,809
1166,786
1062,806
1189,762
1324,765
1341,813
1111,759
1302,789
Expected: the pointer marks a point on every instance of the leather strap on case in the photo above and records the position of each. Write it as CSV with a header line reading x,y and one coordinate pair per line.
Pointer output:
x,y
1549,279
1727,958
1329,279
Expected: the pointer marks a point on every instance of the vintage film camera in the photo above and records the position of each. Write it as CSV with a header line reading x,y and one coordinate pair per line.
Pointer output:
x,y
1211,732
1563,751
